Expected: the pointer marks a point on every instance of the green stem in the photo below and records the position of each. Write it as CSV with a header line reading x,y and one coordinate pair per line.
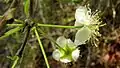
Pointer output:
x,y
42,49
17,20
12,25
59,26
52,40
49,25
15,62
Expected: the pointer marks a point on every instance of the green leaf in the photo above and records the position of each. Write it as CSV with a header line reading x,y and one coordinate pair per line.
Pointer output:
x,y
10,32
26,7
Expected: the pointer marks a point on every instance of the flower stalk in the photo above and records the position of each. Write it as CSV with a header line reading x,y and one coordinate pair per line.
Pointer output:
x,y
59,26
49,25
42,49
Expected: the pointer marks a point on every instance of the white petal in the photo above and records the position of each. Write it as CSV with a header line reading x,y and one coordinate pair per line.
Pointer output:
x,y
77,23
80,12
65,60
75,54
81,16
61,41
82,36
70,43
56,55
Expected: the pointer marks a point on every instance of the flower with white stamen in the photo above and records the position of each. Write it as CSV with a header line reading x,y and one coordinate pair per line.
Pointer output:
x,y
90,24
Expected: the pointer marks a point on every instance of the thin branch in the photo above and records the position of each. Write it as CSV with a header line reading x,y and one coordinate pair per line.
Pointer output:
x,y
12,4
20,51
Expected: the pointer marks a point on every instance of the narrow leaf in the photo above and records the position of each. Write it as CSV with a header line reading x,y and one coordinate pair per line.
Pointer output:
x,y
26,7
10,32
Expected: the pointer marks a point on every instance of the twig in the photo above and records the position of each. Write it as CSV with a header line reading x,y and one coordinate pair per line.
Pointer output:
x,y
12,4
19,52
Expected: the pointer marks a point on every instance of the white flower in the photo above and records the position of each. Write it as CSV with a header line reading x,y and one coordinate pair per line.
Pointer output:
x,y
67,51
91,25
82,17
